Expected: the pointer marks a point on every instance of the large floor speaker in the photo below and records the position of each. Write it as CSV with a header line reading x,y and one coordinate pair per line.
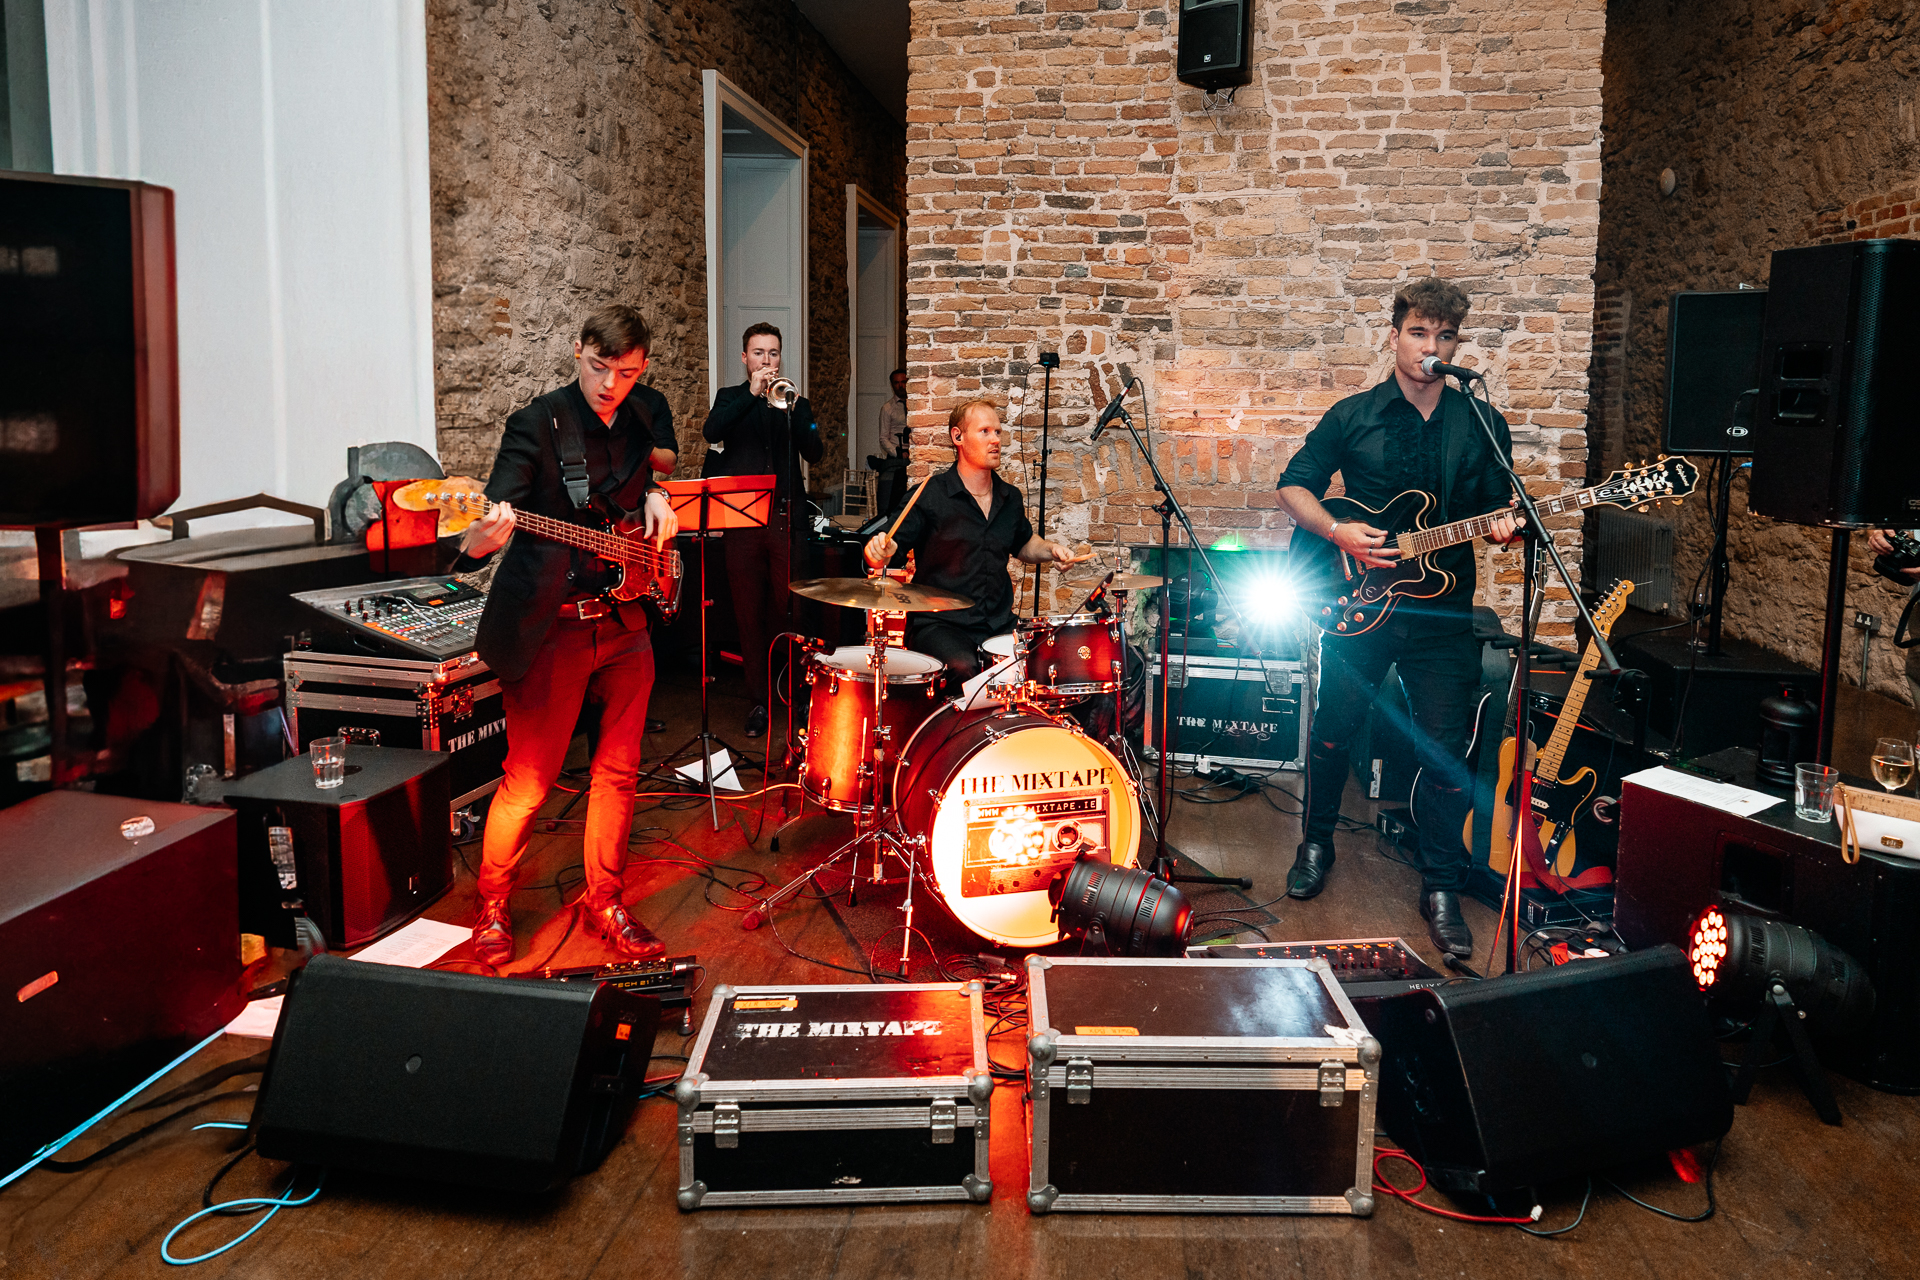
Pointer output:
x,y
1833,442
496,1082
116,953
1531,1077
367,855
89,376
1713,358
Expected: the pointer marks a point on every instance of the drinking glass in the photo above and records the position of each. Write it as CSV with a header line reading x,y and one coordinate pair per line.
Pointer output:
x,y
1893,763
1813,786
329,761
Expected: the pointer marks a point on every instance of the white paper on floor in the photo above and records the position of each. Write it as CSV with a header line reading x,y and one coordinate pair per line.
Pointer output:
x,y
724,777
413,947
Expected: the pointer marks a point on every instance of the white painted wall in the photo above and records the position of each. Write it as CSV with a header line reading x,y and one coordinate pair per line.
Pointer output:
x,y
294,136
763,225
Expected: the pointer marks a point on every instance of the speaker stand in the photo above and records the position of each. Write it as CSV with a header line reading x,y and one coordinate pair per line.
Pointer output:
x,y
1830,645
1778,1012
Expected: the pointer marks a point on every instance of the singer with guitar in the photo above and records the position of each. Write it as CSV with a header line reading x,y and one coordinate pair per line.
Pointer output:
x,y
1411,432
553,635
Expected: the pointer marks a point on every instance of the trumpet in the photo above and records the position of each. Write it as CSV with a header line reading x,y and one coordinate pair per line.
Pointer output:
x,y
782,394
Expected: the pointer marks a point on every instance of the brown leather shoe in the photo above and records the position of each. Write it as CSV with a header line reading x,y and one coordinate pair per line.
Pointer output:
x,y
627,936
493,931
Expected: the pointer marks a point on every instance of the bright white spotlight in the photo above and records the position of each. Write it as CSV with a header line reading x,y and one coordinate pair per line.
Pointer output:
x,y
1269,600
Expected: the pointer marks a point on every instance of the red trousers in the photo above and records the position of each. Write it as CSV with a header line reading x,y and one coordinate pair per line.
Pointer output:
x,y
602,660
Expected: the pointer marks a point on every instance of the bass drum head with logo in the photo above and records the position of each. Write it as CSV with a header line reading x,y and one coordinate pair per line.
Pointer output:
x,y
1006,800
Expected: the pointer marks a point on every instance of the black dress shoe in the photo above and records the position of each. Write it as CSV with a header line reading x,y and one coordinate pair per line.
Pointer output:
x,y
628,937
756,721
656,726
1445,925
493,931
1308,875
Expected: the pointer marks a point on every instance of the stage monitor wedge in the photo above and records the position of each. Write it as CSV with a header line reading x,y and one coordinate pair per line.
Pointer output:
x,y
1713,358
89,364
1215,43
1833,441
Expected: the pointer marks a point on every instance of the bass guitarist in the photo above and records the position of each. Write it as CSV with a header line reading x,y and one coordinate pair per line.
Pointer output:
x,y
1409,432
554,639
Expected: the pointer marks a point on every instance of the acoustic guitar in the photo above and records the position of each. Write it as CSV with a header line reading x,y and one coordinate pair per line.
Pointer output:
x,y
1547,838
645,572
1346,598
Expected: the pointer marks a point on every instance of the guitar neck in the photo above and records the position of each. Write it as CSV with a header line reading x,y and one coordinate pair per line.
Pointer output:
x,y
1555,751
608,546
1421,541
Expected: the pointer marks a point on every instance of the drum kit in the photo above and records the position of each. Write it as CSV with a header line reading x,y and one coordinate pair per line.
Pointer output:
x,y
985,799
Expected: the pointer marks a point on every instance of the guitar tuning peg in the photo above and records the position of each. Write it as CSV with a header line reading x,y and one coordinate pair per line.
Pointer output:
x,y
1676,502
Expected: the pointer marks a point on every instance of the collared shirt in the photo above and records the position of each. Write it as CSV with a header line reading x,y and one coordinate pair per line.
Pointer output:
x,y
959,549
1381,447
893,428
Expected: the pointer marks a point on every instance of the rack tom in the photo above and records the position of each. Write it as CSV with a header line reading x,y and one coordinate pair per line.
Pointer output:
x,y
1074,656
839,773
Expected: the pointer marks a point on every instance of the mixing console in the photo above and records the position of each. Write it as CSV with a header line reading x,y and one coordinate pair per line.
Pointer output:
x,y
433,617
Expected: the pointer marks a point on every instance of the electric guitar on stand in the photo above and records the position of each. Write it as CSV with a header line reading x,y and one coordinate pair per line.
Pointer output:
x,y
647,572
1547,834
1345,598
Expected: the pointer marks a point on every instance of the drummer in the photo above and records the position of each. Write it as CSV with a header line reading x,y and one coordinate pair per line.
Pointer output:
x,y
962,529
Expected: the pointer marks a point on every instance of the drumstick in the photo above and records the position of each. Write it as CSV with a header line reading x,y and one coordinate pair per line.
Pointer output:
x,y
910,501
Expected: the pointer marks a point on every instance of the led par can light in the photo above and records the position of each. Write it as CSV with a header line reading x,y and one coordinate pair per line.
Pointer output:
x,y
1738,958
1136,914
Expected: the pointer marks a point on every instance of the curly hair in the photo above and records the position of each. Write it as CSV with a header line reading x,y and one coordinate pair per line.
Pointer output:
x,y
1434,298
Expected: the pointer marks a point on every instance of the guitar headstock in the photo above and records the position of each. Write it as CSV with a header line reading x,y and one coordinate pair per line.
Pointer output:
x,y
1655,482
1608,611
458,499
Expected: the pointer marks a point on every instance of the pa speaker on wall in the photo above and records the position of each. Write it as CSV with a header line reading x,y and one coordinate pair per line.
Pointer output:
x,y
495,1082
1833,440
89,379
1713,359
1216,37
1521,1079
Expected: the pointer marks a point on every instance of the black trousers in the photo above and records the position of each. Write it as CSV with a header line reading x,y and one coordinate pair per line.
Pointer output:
x,y
1441,677
759,571
957,647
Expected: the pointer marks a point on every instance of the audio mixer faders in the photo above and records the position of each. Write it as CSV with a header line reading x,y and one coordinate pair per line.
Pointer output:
x,y
436,617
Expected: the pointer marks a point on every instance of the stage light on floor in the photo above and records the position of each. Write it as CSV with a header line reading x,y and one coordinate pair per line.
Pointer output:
x,y
1121,911
1738,959
1269,601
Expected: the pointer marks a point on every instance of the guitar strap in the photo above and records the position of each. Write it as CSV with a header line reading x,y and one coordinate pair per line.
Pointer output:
x,y
571,444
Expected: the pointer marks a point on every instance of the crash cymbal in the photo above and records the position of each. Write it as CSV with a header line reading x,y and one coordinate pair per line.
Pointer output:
x,y
880,594
1135,582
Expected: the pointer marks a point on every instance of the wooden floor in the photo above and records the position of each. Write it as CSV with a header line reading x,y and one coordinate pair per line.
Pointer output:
x,y
1795,1198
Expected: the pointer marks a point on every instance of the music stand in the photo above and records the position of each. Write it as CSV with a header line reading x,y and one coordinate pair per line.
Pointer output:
x,y
708,507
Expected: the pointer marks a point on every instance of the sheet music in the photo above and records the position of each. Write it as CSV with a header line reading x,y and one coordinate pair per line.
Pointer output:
x,y
1715,795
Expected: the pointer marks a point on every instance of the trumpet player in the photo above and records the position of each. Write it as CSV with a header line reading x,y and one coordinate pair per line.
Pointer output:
x,y
756,435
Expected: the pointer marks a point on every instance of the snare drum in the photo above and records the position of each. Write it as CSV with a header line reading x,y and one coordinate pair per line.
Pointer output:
x,y
998,649
839,772
1005,800
1073,656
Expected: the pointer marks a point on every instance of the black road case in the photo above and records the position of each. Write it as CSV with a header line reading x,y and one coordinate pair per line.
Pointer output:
x,y
836,1095
453,705
1139,1068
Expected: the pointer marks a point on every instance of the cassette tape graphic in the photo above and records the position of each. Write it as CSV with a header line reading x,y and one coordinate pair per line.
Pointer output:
x,y
1016,844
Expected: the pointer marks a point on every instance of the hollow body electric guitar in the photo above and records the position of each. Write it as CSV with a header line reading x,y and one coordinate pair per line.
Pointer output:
x,y
645,572
1546,836
1346,598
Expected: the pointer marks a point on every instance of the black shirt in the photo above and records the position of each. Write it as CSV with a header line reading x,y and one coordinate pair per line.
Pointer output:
x,y
751,428
658,416
959,549
1381,447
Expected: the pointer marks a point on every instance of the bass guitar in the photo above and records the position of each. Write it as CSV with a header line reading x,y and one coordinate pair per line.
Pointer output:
x,y
644,571
1547,836
1346,598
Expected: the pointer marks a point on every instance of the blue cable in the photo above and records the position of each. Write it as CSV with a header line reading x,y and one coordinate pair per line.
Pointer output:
x,y
221,1124
272,1204
52,1148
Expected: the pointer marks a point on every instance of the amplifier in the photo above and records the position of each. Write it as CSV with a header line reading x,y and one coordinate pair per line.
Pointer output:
x,y
1247,712
1723,707
451,705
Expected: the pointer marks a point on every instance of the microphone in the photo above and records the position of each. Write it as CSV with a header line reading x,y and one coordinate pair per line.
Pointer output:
x,y
1433,364
1114,408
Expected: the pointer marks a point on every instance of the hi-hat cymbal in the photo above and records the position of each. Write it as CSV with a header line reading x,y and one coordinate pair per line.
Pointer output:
x,y
1135,582
882,594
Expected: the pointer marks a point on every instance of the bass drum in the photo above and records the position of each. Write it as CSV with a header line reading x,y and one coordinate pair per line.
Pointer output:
x,y
1005,800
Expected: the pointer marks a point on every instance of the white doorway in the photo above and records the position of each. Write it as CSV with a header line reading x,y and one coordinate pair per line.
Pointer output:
x,y
756,233
873,319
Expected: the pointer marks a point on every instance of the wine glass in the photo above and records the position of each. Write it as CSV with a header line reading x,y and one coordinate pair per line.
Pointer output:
x,y
1892,763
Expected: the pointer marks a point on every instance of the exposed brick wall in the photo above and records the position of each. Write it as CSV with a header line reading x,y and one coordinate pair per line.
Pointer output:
x,y
1785,122
567,164
1066,193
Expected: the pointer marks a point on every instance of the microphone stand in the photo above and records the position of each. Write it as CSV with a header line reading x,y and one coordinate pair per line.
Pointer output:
x,y
1169,510
1609,667
1049,361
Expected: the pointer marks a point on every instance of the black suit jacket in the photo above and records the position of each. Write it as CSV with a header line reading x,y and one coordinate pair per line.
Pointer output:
x,y
524,601
750,429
